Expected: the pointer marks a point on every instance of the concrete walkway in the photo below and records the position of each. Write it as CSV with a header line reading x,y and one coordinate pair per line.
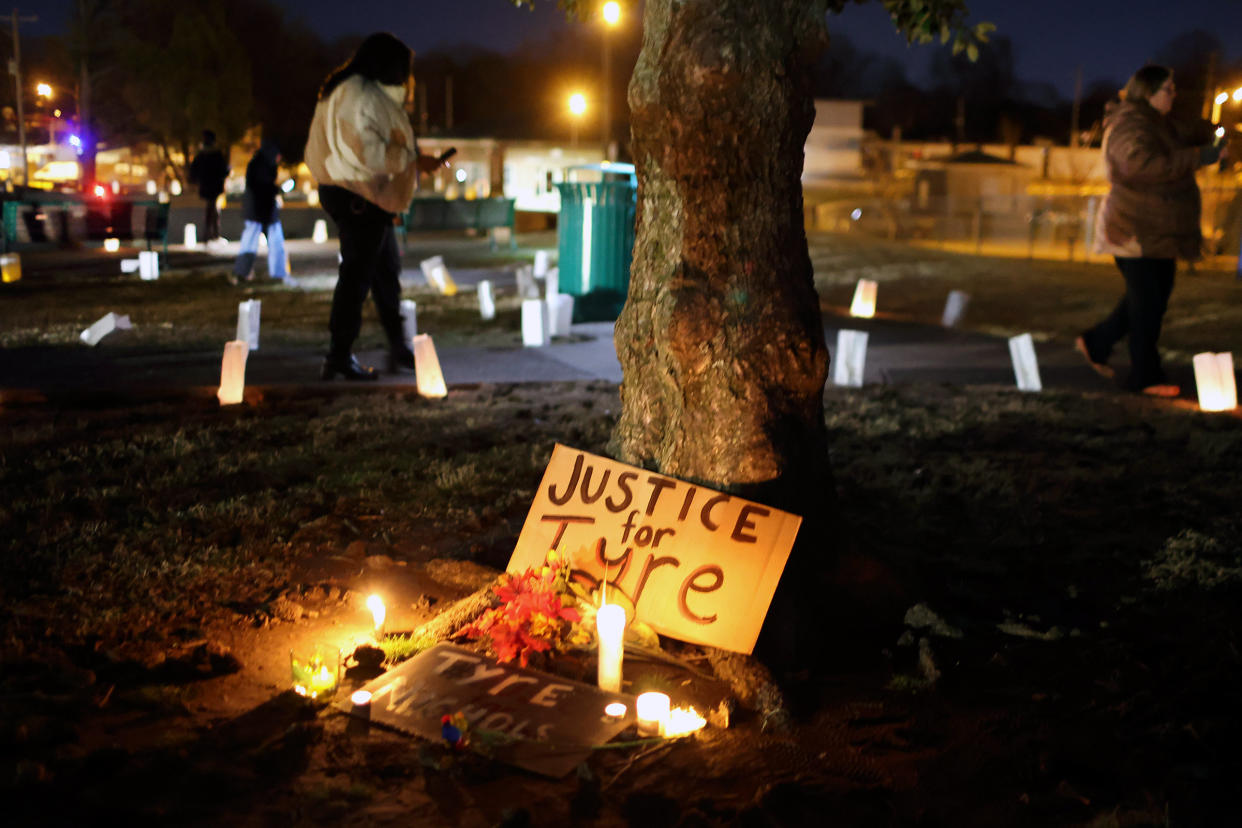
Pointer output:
x,y
899,352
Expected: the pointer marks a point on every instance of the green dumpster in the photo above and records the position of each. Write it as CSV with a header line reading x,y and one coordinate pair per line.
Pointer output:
x,y
595,239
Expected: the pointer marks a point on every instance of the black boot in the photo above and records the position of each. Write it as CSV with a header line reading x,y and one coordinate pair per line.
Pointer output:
x,y
398,358
348,367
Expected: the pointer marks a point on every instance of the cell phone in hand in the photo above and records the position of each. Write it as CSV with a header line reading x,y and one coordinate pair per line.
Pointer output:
x,y
446,155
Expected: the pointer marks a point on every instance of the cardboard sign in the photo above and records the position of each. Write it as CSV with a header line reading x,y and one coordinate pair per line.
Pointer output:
x,y
540,722
696,564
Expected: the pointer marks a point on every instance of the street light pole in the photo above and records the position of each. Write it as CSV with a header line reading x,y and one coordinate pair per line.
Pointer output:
x,y
16,69
605,118
611,14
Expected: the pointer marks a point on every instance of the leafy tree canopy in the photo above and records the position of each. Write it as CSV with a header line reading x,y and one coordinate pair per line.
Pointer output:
x,y
921,21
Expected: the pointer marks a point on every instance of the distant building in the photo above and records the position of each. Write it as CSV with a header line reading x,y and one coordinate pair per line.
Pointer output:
x,y
834,147
973,179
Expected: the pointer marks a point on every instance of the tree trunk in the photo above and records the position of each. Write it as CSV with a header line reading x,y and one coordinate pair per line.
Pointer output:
x,y
721,339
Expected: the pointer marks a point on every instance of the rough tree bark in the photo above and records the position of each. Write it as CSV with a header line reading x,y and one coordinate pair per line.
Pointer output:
x,y
721,340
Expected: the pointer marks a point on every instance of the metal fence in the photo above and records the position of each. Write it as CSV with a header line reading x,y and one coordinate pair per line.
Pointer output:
x,y
1056,227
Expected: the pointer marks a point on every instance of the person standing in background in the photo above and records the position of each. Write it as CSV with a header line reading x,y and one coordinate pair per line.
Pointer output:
x,y
262,213
361,151
208,170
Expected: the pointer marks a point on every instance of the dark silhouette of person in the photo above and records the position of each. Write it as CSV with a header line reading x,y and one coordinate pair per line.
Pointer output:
x,y
208,170
262,213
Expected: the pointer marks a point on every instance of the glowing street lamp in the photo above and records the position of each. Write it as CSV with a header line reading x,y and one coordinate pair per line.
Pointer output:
x,y
577,106
43,90
611,13
1222,97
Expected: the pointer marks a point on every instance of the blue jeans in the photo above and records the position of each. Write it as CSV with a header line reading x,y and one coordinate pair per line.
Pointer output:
x,y
250,247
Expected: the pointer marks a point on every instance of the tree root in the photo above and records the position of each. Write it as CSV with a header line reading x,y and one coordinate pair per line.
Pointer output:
x,y
460,613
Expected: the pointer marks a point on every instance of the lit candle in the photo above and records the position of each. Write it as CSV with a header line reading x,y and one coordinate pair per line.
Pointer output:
x,y
652,712
233,373
376,605
682,721
615,709
610,624
112,245
1214,381
360,698
314,676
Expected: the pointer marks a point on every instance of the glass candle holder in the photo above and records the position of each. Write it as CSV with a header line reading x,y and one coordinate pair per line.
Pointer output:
x,y
316,671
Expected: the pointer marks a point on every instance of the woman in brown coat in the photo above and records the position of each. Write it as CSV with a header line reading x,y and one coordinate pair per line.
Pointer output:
x,y
1149,220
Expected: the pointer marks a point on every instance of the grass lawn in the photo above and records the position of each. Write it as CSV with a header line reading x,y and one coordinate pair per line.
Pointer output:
x,y
1053,300
1033,616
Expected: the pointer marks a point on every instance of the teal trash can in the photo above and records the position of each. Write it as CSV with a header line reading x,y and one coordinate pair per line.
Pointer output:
x,y
595,239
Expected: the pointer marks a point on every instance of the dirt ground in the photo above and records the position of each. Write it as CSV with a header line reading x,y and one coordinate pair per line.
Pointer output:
x,y
1030,616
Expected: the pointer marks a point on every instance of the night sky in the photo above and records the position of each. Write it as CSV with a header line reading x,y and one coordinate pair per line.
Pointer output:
x,y
1109,39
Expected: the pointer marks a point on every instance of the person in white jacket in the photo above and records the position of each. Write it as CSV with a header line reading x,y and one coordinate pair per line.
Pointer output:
x,y
362,152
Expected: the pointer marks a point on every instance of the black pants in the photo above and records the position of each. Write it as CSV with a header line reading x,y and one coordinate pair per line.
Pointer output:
x,y
370,263
1138,315
211,223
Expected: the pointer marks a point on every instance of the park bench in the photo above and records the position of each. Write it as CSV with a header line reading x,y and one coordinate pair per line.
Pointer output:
x,y
479,214
36,219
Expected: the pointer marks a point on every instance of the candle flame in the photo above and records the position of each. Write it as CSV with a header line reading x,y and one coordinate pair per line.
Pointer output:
x,y
1220,131
376,605
682,721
